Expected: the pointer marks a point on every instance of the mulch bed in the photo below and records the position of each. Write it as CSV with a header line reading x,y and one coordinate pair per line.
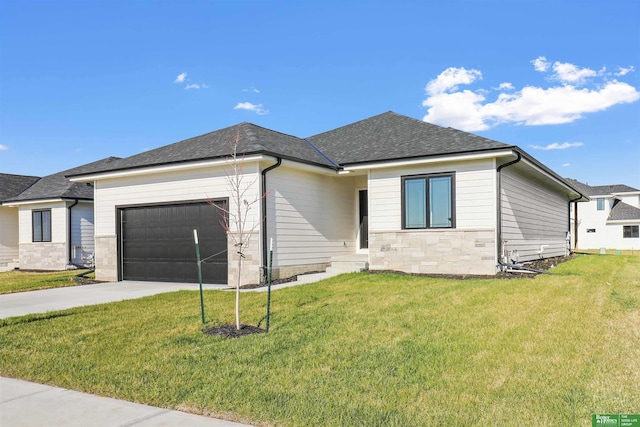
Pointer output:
x,y
230,331
542,265
86,281
277,281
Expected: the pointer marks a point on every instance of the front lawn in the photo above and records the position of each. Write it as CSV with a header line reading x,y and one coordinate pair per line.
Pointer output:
x,y
362,350
22,281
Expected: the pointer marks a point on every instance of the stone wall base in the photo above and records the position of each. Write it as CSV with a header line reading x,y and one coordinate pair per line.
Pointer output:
x,y
106,258
250,273
43,256
434,251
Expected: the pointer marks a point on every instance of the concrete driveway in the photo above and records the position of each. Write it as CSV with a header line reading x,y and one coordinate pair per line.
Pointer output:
x,y
21,303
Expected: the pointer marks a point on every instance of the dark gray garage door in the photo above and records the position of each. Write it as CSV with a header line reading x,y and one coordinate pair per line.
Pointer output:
x,y
157,244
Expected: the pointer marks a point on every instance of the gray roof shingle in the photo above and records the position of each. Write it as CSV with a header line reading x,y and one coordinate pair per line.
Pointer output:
x,y
622,211
58,185
614,188
13,185
390,136
253,140
600,190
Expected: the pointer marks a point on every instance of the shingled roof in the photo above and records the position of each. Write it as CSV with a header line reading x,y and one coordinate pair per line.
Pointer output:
x,y
390,136
253,140
57,186
13,185
600,190
622,211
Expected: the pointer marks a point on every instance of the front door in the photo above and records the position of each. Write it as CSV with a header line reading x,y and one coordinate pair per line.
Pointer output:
x,y
363,219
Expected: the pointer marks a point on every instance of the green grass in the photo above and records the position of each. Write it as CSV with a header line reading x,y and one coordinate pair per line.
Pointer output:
x,y
610,251
362,350
22,281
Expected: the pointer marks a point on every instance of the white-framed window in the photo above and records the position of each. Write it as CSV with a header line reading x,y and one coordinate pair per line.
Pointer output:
x,y
600,201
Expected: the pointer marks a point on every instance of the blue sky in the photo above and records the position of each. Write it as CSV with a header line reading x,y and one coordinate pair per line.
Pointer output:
x,y
83,80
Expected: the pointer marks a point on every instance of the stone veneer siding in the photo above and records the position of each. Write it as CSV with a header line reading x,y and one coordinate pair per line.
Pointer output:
x,y
250,264
106,258
43,256
434,251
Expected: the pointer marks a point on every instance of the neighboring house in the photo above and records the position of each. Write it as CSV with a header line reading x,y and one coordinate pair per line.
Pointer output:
x,y
396,192
610,220
53,224
11,186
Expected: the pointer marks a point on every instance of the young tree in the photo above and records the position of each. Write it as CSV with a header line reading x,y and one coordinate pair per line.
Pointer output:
x,y
237,220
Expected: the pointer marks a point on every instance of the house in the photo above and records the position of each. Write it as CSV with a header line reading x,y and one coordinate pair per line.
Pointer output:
x,y
610,220
51,220
398,193
11,186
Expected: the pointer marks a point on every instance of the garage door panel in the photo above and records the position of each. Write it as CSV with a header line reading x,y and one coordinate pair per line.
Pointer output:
x,y
157,243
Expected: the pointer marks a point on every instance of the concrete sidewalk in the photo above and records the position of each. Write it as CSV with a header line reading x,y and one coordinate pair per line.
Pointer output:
x,y
22,303
33,405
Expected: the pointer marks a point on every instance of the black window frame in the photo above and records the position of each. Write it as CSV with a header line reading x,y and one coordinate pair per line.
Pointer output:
x,y
426,178
37,215
632,233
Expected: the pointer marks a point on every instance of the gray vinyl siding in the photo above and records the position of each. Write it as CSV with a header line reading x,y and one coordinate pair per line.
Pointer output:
x,y
532,215
311,217
82,245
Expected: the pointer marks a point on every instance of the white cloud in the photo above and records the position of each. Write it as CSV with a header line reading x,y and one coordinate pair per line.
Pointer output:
x,y
540,64
470,110
196,86
450,78
557,146
257,108
3,147
570,73
566,165
623,71
181,78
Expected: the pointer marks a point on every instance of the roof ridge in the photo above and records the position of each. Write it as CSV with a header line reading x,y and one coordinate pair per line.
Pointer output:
x,y
271,130
20,175
356,122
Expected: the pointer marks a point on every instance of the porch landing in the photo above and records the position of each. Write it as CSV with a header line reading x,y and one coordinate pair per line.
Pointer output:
x,y
343,264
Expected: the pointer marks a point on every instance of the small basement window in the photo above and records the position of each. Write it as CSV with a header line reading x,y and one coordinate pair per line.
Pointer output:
x,y
591,230
630,231
41,226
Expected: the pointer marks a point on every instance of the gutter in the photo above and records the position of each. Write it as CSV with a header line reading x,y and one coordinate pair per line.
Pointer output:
x,y
263,215
499,207
70,225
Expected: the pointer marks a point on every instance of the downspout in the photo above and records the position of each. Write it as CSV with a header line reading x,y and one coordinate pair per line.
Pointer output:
x,y
575,221
263,216
499,206
70,225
